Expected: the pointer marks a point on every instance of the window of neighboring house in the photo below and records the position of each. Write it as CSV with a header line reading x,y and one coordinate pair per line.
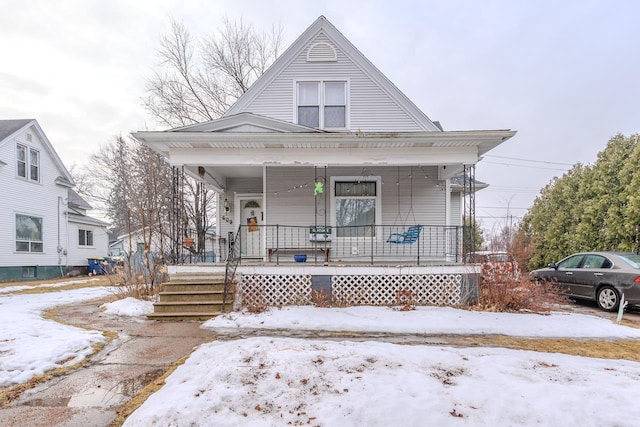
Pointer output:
x,y
28,162
28,272
140,247
28,233
355,207
85,238
322,104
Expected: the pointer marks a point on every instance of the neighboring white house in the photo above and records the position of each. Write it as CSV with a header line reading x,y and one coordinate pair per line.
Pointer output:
x,y
88,237
135,242
39,226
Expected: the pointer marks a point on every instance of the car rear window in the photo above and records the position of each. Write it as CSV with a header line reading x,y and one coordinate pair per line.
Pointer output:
x,y
632,259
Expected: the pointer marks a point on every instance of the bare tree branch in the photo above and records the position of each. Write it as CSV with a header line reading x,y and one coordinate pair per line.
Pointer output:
x,y
198,82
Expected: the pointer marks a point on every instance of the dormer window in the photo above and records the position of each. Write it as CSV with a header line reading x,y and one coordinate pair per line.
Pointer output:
x,y
322,104
28,163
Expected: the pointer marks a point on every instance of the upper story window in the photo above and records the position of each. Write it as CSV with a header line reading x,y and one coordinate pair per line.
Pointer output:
x,y
28,163
28,233
322,104
85,238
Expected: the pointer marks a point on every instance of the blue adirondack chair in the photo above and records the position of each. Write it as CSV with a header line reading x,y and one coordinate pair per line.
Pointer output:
x,y
410,236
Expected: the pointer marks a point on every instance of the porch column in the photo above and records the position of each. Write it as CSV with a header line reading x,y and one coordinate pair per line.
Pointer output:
x,y
447,202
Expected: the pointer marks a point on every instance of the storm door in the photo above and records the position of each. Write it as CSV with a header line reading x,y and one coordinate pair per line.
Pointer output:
x,y
251,220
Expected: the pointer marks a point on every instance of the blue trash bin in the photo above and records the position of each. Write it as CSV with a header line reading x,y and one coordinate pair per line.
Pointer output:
x,y
95,266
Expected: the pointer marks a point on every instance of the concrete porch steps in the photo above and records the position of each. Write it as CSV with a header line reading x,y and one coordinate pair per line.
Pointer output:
x,y
189,296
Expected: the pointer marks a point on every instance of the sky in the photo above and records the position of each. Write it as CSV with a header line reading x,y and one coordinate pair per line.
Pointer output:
x,y
561,73
277,380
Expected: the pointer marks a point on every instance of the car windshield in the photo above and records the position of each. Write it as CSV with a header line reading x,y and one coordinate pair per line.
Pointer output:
x,y
632,259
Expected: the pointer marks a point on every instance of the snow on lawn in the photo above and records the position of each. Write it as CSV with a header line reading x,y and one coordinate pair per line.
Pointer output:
x,y
287,381
129,306
7,289
31,345
426,320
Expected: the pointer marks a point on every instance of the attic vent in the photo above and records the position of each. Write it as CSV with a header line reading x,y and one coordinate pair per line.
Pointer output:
x,y
322,52
29,137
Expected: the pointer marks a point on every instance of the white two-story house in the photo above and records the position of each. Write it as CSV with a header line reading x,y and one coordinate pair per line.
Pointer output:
x,y
44,230
325,161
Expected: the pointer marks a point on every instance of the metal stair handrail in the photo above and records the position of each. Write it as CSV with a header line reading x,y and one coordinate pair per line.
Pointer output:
x,y
233,259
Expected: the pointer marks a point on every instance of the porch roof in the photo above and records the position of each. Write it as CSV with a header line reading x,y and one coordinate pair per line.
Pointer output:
x,y
170,143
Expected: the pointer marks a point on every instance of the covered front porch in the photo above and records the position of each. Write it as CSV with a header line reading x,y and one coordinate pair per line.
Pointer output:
x,y
305,215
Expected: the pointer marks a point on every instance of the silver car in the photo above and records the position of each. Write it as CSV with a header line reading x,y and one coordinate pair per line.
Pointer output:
x,y
602,277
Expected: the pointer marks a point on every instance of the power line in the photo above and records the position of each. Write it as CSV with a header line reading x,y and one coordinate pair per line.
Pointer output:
x,y
499,207
527,160
525,166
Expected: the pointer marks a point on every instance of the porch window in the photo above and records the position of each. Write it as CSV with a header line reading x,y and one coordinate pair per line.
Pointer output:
x,y
322,104
85,238
28,233
28,163
355,208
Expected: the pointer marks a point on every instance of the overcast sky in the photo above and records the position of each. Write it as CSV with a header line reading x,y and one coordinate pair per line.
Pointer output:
x,y
564,74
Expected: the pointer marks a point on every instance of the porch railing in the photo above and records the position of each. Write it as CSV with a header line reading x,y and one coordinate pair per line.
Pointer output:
x,y
419,244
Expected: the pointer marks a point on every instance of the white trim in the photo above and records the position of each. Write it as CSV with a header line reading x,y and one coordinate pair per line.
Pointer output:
x,y
331,270
378,214
332,156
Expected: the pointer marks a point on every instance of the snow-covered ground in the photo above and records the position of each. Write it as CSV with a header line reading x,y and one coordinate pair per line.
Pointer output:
x,y
31,345
426,320
129,307
286,381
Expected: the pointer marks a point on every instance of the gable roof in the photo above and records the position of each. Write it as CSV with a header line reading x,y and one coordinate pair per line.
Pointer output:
x,y
322,25
76,200
245,122
9,128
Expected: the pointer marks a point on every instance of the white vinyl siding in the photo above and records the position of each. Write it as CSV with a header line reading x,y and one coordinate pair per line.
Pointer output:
x,y
78,254
371,109
45,200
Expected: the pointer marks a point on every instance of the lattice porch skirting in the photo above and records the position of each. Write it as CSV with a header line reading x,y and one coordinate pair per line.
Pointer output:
x,y
291,289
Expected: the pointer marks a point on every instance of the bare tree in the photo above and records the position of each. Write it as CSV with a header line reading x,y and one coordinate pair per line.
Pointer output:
x,y
198,81
136,189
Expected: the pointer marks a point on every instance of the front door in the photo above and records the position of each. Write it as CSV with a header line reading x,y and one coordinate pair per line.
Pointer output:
x,y
251,219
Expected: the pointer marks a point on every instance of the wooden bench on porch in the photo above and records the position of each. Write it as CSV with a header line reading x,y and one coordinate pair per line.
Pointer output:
x,y
301,251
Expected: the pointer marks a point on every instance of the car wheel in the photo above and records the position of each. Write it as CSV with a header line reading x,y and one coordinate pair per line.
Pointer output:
x,y
607,298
